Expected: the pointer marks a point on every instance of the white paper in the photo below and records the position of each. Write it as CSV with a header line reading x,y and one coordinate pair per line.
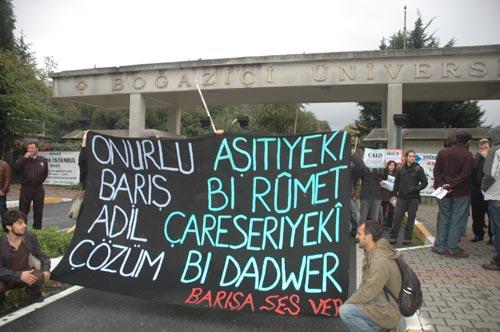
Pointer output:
x,y
439,192
388,185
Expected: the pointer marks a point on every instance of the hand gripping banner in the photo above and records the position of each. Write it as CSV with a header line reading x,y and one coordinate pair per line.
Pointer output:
x,y
236,222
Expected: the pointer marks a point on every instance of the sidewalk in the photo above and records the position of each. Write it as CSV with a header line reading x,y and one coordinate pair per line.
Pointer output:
x,y
459,295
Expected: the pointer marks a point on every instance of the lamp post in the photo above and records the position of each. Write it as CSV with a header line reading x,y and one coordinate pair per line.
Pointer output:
x,y
399,121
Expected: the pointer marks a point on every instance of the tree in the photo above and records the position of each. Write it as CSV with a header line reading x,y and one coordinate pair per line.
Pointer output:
x,y
7,25
280,118
441,114
24,99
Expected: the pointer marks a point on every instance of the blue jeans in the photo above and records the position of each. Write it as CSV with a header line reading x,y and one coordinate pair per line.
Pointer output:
x,y
453,214
494,210
357,320
3,205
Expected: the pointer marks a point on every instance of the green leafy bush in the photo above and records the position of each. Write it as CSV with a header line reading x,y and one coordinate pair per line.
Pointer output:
x,y
52,241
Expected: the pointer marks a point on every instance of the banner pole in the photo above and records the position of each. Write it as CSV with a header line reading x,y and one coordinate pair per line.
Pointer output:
x,y
205,106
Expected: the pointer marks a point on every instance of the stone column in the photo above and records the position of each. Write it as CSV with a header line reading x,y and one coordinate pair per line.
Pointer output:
x,y
384,112
174,121
136,115
393,105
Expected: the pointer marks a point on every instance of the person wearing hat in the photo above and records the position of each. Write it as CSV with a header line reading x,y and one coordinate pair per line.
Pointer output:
x,y
18,250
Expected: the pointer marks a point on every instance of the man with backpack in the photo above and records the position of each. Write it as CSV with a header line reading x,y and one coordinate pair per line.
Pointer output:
x,y
372,307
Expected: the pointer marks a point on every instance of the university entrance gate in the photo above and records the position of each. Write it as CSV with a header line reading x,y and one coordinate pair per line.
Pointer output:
x,y
389,77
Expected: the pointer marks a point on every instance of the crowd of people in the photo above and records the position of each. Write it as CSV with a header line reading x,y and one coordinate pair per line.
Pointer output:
x,y
383,205
471,183
466,178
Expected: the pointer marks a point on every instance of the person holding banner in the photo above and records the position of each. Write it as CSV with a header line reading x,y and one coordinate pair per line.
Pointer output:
x,y
409,181
357,171
369,308
82,161
19,254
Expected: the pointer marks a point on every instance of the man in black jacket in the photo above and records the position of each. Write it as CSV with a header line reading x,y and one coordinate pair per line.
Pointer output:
x,y
409,181
16,247
357,172
478,205
34,170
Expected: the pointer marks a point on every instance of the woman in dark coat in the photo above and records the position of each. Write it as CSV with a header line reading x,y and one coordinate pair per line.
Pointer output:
x,y
387,207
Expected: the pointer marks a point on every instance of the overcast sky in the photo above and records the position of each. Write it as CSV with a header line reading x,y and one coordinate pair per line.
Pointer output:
x,y
81,34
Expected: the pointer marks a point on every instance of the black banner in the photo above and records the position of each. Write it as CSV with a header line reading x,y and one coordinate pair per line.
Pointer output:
x,y
236,222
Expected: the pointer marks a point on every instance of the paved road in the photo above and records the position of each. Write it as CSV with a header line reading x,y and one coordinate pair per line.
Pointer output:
x,y
54,215
91,310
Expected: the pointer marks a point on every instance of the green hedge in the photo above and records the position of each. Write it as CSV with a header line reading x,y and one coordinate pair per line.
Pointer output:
x,y
52,241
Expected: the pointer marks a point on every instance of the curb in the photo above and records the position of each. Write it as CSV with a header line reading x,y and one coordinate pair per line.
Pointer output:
x,y
47,200
423,233
414,323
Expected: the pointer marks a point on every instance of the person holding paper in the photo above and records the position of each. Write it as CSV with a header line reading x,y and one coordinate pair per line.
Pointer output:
x,y
452,171
390,173
409,181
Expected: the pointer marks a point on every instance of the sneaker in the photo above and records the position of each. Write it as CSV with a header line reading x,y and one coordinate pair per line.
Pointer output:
x,y
406,242
491,266
460,254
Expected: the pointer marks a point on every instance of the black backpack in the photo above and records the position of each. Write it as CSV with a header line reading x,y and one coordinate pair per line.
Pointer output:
x,y
410,297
